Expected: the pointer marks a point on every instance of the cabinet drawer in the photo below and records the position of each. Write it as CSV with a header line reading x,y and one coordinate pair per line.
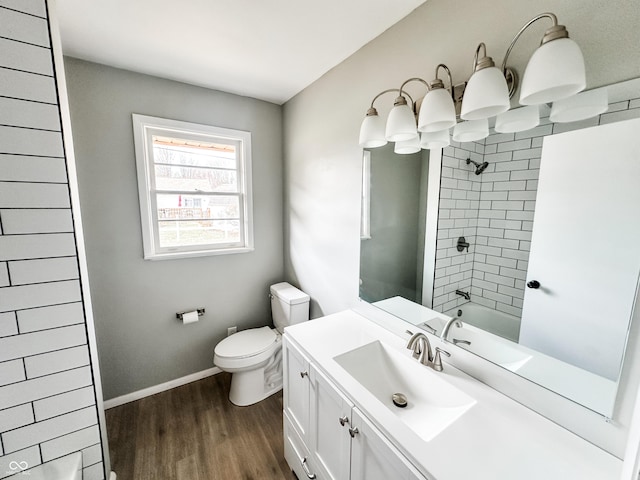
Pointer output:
x,y
296,453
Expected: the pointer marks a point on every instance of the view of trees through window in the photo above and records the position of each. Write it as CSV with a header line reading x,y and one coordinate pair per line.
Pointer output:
x,y
196,192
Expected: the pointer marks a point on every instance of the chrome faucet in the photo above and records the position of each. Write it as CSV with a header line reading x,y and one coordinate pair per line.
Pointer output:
x,y
447,327
421,347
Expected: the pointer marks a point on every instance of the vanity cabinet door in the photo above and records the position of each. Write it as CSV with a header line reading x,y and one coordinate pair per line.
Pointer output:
x,y
330,420
373,457
296,388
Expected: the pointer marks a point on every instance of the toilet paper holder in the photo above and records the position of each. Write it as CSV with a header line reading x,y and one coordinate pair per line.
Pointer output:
x,y
180,314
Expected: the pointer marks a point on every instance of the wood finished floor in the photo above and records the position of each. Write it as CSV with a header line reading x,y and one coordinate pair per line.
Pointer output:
x,y
193,432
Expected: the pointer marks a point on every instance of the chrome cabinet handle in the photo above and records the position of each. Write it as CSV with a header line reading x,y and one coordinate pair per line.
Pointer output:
x,y
343,420
304,374
353,431
310,475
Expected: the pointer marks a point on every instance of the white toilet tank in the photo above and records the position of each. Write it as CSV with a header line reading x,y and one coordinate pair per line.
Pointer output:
x,y
288,305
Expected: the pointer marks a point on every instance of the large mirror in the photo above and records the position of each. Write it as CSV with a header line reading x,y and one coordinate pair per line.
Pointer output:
x,y
525,238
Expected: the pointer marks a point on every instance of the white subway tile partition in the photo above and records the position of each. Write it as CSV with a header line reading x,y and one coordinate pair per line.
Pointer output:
x,y
498,221
47,397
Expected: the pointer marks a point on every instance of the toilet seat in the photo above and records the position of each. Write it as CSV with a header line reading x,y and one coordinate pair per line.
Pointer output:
x,y
246,349
247,343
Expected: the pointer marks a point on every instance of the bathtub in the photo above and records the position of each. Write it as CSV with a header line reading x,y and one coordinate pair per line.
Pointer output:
x,y
499,323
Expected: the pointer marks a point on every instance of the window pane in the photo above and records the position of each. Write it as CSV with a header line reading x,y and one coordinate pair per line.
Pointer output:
x,y
175,178
204,232
189,207
176,151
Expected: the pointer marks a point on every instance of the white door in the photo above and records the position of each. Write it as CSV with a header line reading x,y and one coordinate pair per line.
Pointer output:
x,y
330,420
373,457
584,247
296,387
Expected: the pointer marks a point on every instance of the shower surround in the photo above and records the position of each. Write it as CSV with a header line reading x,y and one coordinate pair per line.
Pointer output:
x,y
494,211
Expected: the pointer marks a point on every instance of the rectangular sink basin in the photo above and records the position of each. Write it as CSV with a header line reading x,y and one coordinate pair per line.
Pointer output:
x,y
432,403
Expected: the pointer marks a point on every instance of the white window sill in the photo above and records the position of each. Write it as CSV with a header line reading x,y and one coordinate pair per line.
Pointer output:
x,y
197,253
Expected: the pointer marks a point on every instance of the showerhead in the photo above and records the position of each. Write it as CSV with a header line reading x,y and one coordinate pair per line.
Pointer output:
x,y
480,167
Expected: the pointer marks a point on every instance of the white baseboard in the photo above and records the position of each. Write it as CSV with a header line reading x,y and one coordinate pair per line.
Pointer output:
x,y
146,392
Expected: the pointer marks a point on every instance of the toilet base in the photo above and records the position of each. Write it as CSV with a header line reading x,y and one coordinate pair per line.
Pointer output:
x,y
249,387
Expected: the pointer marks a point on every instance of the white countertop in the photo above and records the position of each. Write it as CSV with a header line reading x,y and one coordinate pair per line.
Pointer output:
x,y
496,439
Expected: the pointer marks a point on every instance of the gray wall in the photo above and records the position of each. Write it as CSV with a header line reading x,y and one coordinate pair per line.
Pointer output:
x,y
321,124
140,342
391,259
48,400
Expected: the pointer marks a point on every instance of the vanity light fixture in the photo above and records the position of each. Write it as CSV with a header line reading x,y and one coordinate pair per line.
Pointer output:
x,y
401,123
431,140
580,106
555,70
372,130
406,147
555,73
487,93
518,119
438,110
471,130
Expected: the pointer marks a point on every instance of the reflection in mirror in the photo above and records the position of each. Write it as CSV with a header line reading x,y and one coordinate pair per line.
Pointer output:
x,y
394,204
544,223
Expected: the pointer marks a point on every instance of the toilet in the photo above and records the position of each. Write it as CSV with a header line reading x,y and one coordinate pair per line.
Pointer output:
x,y
254,356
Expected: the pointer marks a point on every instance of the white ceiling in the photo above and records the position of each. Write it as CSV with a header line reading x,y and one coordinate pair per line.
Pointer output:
x,y
266,49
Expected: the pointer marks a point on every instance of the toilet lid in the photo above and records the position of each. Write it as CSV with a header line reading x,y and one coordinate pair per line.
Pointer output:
x,y
246,343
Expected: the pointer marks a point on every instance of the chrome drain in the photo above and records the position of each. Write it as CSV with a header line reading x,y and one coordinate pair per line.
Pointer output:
x,y
399,400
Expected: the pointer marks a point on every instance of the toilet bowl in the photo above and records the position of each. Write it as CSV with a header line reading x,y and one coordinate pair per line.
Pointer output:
x,y
254,356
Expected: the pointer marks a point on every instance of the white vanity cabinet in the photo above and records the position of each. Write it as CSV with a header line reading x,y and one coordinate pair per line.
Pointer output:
x,y
296,389
333,440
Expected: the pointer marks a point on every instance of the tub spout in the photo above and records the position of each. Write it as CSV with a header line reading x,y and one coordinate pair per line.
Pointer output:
x,y
463,294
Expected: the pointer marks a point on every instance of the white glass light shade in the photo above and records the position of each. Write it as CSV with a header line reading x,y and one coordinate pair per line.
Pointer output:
x,y
431,140
401,124
485,95
555,71
580,107
518,119
406,147
471,130
437,111
372,132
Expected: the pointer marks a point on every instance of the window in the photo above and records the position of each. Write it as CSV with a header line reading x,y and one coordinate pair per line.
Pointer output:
x,y
194,183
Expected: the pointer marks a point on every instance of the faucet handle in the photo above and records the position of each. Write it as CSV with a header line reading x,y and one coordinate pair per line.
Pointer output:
x,y
437,360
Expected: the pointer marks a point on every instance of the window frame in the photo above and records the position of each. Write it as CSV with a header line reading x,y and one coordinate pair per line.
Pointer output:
x,y
144,129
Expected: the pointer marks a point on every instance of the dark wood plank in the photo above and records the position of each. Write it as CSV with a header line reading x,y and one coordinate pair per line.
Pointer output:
x,y
193,432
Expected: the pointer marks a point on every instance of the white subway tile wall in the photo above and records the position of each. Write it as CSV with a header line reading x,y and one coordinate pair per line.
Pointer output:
x,y
494,212
47,398
460,193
